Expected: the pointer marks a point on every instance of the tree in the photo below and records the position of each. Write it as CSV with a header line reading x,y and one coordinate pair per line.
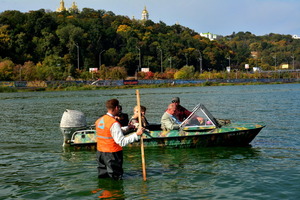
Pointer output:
x,y
5,40
28,72
45,45
129,62
117,73
186,72
52,68
103,72
111,56
71,38
6,70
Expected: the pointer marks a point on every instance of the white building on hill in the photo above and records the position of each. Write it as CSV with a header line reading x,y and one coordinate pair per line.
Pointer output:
x,y
296,37
210,36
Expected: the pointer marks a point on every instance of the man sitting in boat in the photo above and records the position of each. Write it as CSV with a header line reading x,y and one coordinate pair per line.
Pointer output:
x,y
122,118
168,120
181,112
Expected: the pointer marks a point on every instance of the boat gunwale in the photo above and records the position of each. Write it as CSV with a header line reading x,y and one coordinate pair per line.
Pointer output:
x,y
209,133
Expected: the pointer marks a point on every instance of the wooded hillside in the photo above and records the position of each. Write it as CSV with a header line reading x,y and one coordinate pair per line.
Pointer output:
x,y
41,45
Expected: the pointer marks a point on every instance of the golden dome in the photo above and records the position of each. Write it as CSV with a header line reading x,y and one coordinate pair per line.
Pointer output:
x,y
74,7
145,14
61,7
145,10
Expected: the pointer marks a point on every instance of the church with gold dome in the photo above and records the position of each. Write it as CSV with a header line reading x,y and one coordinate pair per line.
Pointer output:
x,y
145,14
73,8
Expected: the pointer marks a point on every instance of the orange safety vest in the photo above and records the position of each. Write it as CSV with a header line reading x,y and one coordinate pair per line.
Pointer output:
x,y
105,141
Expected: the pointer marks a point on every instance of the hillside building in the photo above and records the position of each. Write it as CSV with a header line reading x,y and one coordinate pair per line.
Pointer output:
x,y
296,37
73,8
61,7
145,14
210,36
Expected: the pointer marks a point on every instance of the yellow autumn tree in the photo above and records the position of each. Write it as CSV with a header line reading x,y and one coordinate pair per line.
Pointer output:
x,y
123,28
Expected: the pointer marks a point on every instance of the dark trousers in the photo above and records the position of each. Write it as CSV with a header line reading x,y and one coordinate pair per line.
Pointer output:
x,y
110,164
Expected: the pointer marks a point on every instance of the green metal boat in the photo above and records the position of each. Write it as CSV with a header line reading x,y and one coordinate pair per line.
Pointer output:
x,y
191,134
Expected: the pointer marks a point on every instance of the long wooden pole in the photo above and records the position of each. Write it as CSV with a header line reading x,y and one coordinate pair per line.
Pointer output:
x,y
142,140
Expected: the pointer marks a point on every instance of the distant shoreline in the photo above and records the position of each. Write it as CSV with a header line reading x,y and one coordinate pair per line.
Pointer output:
x,y
78,87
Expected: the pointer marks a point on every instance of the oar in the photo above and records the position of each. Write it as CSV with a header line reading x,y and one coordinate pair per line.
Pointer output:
x,y
142,140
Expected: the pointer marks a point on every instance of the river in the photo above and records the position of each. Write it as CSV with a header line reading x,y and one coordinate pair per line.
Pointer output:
x,y
34,165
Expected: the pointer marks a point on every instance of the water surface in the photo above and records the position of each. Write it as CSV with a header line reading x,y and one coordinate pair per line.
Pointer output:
x,y
34,165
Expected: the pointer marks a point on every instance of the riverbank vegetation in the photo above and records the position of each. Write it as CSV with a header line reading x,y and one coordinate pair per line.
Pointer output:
x,y
161,85
98,44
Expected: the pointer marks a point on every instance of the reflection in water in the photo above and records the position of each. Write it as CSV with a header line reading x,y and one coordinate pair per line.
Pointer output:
x,y
71,155
109,189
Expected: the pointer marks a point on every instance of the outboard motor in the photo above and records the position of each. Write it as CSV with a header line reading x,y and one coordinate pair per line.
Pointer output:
x,y
71,121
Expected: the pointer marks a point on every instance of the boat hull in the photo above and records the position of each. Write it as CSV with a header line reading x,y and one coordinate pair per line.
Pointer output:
x,y
235,138
238,134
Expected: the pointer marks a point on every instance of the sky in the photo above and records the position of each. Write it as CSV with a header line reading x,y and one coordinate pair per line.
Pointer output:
x,y
221,17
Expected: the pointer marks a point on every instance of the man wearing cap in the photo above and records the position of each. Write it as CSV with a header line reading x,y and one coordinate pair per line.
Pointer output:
x,y
181,113
110,140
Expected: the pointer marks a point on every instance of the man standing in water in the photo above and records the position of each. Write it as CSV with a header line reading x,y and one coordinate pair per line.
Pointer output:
x,y
110,140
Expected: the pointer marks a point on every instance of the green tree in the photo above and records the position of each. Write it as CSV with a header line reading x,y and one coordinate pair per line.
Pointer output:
x,y
4,38
111,56
129,62
71,38
45,45
117,73
52,68
186,72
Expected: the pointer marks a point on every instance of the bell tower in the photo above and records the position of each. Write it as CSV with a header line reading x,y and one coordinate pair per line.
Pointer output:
x,y
61,7
74,8
145,14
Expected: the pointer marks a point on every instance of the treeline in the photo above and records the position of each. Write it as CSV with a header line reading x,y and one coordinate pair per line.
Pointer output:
x,y
41,45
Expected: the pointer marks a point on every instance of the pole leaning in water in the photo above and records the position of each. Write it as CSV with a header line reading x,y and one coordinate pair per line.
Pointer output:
x,y
142,141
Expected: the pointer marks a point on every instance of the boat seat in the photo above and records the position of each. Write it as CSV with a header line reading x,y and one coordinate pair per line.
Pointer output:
x,y
154,127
